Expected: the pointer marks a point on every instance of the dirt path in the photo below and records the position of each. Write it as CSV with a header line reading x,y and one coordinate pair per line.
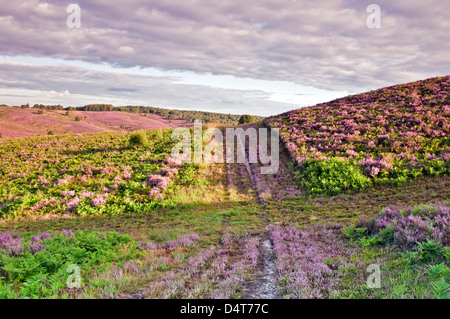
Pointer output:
x,y
263,283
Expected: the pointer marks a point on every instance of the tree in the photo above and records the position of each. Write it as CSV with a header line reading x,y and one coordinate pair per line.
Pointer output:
x,y
246,119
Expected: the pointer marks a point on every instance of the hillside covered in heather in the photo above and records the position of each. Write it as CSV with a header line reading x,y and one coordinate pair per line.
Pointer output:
x,y
19,122
384,136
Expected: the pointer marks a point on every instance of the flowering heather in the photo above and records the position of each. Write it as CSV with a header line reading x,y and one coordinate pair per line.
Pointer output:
x,y
183,241
17,122
159,181
72,205
154,193
67,233
44,203
175,160
251,250
39,238
99,200
214,272
108,170
301,260
68,193
46,236
13,246
43,180
86,194
5,239
34,247
400,130
169,172
147,246
351,153
413,225
63,181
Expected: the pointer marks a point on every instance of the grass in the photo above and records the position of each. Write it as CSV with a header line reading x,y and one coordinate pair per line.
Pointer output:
x,y
400,278
348,208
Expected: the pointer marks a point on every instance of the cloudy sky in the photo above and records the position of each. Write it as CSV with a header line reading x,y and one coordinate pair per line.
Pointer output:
x,y
255,56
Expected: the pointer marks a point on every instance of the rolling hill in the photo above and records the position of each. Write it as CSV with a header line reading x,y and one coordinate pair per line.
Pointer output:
x,y
384,136
17,122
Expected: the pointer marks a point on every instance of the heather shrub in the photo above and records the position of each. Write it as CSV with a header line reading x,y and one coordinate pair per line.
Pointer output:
x,y
308,260
418,228
415,241
138,139
331,176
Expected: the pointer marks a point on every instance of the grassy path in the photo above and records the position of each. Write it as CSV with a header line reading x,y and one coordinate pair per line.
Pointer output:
x,y
263,283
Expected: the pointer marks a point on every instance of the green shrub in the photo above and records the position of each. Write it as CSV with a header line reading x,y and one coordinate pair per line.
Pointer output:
x,y
331,176
436,168
77,118
354,233
246,119
447,254
44,273
386,234
440,275
371,241
138,139
430,251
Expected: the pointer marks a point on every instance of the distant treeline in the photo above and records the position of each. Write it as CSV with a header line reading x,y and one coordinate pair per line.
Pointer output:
x,y
206,117
48,107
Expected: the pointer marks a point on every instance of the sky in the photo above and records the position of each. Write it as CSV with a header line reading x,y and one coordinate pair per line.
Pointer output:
x,y
261,57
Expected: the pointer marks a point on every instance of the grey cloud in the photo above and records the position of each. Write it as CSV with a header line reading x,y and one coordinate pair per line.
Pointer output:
x,y
121,90
325,44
